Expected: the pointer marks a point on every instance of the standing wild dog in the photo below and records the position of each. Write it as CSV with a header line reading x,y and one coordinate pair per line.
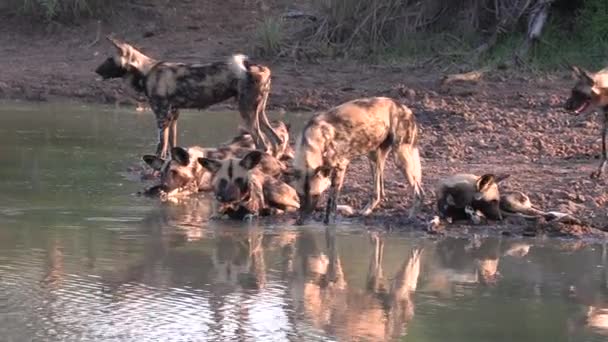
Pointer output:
x,y
173,86
241,189
589,94
370,126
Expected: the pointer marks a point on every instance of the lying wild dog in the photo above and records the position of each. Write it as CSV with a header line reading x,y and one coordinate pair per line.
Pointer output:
x,y
245,140
464,196
241,189
182,174
330,140
170,87
467,196
589,94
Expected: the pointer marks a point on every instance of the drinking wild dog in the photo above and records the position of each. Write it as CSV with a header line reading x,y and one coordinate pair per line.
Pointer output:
x,y
330,140
242,190
180,175
590,93
170,87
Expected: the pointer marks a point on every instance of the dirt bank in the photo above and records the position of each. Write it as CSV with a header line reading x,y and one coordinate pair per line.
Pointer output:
x,y
506,123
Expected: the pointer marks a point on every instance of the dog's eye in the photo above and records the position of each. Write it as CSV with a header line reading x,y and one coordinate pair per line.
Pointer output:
x,y
241,183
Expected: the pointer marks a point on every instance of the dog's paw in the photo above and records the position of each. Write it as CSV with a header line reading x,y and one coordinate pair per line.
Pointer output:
x,y
216,217
596,174
250,217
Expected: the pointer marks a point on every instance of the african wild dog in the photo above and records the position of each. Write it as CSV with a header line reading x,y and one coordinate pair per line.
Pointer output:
x,y
330,140
464,196
173,86
241,189
244,140
182,175
589,94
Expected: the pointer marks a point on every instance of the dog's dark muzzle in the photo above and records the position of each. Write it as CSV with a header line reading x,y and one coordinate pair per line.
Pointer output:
x,y
231,194
109,69
577,102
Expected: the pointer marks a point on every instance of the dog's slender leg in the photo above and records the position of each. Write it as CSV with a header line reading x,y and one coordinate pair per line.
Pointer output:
x,y
377,162
161,110
604,157
408,159
278,144
173,132
337,180
250,98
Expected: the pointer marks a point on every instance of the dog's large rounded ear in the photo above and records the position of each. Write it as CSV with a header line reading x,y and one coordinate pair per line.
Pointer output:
x,y
499,178
324,171
485,182
153,161
180,155
583,74
210,165
251,160
117,43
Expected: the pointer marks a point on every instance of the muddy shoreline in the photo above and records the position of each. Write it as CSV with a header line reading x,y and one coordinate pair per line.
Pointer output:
x,y
508,122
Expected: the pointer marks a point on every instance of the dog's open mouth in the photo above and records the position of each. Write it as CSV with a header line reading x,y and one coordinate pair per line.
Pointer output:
x,y
582,107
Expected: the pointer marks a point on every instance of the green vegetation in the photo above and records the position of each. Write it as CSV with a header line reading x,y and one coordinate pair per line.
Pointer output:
x,y
269,37
61,10
468,33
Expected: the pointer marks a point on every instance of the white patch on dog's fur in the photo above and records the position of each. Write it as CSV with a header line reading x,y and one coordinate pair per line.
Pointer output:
x,y
237,65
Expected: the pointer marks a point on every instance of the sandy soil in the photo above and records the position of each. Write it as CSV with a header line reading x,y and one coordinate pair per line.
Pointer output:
x,y
507,123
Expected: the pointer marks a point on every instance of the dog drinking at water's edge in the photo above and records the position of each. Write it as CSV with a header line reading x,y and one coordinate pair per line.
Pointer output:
x,y
170,87
182,175
589,94
330,140
242,189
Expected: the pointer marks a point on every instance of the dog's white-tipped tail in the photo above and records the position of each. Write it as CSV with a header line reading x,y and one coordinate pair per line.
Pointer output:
x,y
237,65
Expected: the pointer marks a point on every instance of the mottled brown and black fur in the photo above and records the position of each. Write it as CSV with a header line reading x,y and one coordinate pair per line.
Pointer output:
x,y
170,87
181,175
469,197
465,196
242,189
370,126
589,94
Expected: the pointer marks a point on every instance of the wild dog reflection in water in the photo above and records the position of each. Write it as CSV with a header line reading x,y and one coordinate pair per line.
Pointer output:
x,y
472,261
377,313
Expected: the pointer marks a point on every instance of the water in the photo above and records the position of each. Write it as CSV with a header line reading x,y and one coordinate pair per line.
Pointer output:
x,y
84,259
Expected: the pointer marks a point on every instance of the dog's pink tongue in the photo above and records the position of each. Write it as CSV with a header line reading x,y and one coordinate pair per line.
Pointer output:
x,y
581,108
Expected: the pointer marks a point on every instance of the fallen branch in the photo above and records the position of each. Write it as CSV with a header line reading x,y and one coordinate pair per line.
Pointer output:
x,y
471,77
97,35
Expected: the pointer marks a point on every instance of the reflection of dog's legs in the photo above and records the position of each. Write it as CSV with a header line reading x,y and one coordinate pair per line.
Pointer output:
x,y
375,277
604,157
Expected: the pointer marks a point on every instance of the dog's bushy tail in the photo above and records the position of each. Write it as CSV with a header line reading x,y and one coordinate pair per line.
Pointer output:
x,y
238,65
